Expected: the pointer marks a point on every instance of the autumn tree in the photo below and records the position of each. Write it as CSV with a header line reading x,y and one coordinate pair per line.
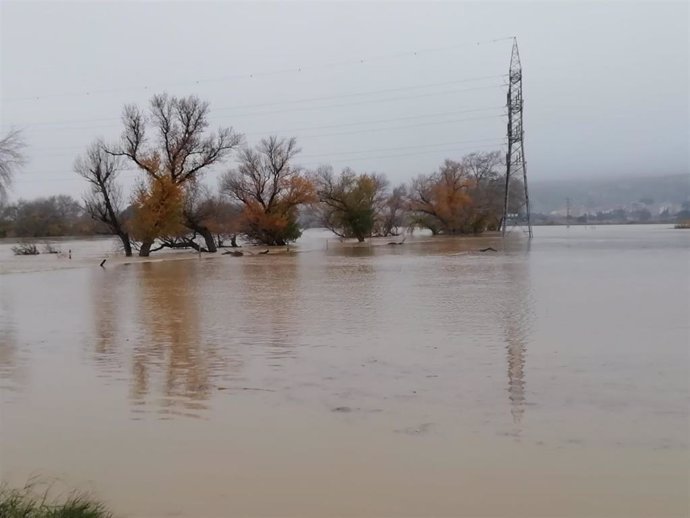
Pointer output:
x,y
11,159
351,203
157,213
441,201
463,197
270,190
104,201
180,148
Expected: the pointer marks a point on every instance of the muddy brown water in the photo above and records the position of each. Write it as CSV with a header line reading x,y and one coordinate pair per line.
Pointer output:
x,y
426,379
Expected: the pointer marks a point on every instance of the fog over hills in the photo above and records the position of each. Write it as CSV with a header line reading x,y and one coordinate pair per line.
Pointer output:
x,y
596,194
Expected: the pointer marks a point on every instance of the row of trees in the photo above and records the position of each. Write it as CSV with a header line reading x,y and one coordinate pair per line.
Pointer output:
x,y
263,198
265,194
59,215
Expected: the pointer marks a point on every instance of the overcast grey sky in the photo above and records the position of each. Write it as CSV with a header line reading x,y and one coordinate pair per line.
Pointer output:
x,y
388,87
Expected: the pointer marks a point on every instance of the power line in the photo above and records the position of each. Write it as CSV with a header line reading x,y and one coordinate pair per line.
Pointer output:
x,y
495,140
294,69
329,126
399,155
370,92
372,130
391,128
52,125
74,176
371,101
291,101
339,153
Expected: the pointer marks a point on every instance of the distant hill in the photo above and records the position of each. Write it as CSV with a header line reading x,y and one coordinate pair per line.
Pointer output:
x,y
593,195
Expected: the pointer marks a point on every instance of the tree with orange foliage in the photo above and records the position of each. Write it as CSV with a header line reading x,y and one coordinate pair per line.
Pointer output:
x,y
270,189
180,149
462,197
157,212
441,201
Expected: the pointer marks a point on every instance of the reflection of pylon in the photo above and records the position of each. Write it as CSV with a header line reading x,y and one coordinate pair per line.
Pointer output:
x,y
515,213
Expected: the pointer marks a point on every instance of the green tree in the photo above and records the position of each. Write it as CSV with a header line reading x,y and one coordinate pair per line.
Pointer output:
x,y
351,203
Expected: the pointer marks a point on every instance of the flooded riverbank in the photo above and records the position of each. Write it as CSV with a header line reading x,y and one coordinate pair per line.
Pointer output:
x,y
411,380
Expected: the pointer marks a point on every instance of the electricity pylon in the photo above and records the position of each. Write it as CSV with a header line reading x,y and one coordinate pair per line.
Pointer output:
x,y
516,209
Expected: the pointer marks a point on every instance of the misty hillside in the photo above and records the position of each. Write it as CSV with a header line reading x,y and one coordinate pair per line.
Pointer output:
x,y
603,194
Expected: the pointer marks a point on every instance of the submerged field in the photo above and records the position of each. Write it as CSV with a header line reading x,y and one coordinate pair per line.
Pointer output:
x,y
415,380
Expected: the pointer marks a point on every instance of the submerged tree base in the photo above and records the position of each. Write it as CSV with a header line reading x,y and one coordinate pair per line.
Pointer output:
x,y
24,503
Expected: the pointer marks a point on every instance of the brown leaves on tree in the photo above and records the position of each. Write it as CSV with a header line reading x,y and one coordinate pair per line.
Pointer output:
x,y
461,197
442,201
157,211
270,189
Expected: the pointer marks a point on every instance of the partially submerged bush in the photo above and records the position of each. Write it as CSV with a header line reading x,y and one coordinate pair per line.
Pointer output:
x,y
25,249
49,248
15,503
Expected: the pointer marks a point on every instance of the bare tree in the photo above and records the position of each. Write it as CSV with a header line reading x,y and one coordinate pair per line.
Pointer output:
x,y
104,199
181,148
486,189
393,213
271,189
11,159
208,215
483,166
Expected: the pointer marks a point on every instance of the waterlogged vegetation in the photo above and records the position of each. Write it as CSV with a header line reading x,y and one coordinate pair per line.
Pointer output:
x,y
262,194
25,503
267,197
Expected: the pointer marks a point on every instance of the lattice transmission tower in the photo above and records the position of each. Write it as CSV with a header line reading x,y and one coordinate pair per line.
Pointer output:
x,y
516,206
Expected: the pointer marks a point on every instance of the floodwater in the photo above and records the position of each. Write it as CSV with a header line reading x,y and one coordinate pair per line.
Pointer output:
x,y
427,379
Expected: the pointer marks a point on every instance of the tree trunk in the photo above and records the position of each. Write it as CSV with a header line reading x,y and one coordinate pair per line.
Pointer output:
x,y
208,237
145,249
233,241
124,237
360,239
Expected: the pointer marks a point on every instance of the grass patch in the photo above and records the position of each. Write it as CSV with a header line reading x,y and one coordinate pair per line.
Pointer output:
x,y
24,503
